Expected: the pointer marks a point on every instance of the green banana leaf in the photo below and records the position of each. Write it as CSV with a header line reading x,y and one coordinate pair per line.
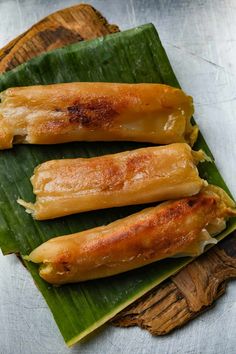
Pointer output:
x,y
135,55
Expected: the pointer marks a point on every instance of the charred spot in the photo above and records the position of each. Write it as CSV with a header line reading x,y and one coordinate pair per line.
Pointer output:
x,y
66,266
138,162
191,202
174,212
58,110
201,201
113,178
208,201
53,125
97,113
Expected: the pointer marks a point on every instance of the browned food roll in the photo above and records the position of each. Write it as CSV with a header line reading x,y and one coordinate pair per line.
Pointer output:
x,y
96,111
172,229
69,186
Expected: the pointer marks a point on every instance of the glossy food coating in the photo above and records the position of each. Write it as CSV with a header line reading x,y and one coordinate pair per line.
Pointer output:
x,y
172,229
146,175
95,112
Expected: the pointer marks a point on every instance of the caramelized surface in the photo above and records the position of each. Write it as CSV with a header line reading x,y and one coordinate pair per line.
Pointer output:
x,y
144,175
95,111
169,230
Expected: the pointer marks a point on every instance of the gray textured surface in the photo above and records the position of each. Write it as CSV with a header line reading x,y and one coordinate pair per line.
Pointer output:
x,y
200,39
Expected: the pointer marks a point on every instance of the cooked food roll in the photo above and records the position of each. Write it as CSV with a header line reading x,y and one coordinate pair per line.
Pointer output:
x,y
146,175
95,112
172,229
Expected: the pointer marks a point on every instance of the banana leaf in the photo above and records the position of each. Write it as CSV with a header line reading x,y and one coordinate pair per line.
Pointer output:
x,y
131,56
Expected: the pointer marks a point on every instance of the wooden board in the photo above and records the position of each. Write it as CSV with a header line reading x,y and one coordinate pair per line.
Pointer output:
x,y
195,288
61,28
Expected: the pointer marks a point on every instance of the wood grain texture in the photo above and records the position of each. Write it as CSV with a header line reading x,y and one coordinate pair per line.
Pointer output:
x,y
186,295
61,28
173,303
